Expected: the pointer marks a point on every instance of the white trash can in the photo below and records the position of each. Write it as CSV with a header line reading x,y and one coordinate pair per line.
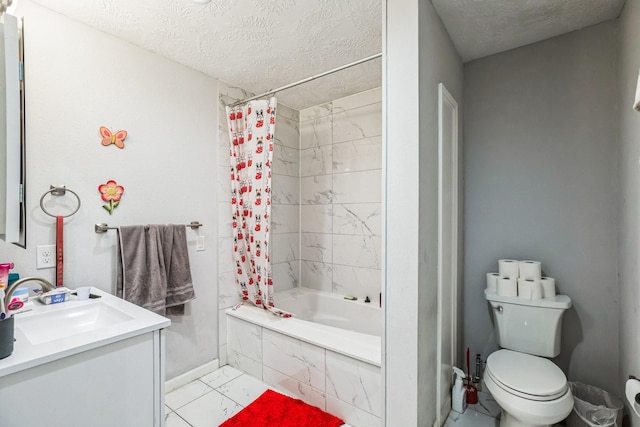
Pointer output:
x,y
594,407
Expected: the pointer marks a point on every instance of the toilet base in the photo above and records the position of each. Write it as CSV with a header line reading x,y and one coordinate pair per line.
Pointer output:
x,y
507,420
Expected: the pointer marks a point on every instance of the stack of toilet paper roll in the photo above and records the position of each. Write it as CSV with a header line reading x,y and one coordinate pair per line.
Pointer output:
x,y
522,279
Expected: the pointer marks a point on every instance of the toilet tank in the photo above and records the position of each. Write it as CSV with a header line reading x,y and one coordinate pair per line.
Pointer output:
x,y
529,326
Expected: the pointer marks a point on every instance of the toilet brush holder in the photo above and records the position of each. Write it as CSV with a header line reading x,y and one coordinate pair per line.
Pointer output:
x,y
6,337
472,394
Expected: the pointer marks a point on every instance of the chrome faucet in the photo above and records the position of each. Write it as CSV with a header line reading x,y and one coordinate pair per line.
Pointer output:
x,y
45,284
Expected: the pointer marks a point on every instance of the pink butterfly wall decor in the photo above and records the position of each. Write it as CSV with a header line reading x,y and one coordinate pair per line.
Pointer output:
x,y
109,138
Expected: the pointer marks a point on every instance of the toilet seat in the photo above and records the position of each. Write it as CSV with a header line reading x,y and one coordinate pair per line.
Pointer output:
x,y
526,376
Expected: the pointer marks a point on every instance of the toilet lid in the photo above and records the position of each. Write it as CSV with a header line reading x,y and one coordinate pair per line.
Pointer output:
x,y
527,376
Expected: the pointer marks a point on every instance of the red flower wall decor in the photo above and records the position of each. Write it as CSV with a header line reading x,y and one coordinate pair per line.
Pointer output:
x,y
111,192
109,138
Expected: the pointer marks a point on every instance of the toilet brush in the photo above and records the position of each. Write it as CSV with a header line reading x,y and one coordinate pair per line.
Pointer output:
x,y
472,391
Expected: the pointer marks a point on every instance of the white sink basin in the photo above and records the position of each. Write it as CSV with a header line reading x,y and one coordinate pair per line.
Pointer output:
x,y
64,322
55,331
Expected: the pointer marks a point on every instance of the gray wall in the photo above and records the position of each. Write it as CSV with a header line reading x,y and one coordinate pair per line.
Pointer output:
x,y
540,169
419,55
629,234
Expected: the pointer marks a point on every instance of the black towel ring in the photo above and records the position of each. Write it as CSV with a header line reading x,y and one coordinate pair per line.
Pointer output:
x,y
59,191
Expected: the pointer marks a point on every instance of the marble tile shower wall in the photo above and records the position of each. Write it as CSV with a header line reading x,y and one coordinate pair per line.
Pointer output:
x,y
285,207
341,194
285,201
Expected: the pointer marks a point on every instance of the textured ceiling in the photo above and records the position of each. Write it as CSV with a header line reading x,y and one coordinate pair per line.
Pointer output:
x,y
483,27
257,45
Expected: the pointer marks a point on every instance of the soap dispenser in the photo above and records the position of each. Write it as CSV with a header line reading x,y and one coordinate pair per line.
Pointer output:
x,y
459,392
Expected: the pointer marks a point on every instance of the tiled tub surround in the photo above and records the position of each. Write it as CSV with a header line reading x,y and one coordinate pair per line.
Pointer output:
x,y
334,369
285,200
340,195
326,216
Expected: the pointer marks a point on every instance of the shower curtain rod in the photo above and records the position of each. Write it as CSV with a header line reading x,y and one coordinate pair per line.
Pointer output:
x,y
308,79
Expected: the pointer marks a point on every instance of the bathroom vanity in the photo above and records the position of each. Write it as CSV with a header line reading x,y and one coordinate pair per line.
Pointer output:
x,y
98,362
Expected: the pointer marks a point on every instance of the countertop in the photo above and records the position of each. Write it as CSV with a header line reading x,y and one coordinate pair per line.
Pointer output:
x,y
27,355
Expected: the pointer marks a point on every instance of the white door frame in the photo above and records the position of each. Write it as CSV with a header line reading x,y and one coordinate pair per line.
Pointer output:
x,y
447,105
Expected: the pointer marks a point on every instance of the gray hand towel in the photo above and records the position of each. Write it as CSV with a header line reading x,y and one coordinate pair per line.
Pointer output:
x,y
176,261
153,267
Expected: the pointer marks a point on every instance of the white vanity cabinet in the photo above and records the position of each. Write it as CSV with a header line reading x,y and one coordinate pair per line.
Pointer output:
x,y
119,384
109,376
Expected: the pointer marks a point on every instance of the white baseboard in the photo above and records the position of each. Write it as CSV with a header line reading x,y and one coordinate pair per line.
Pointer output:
x,y
191,375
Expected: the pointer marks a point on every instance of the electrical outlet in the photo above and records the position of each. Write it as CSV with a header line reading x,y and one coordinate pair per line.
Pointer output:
x,y
45,256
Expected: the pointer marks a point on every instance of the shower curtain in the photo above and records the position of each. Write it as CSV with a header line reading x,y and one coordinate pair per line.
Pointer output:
x,y
251,138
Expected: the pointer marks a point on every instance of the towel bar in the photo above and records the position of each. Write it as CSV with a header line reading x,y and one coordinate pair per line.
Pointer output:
x,y
102,227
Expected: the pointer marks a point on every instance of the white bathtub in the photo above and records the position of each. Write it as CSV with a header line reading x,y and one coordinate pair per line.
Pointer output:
x,y
328,354
332,310
352,328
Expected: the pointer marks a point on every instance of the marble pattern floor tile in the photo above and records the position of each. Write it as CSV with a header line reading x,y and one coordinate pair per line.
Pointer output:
x,y
174,420
244,389
185,394
221,376
470,418
212,409
213,398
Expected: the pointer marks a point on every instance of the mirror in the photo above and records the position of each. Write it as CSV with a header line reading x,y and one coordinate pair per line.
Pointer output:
x,y
12,141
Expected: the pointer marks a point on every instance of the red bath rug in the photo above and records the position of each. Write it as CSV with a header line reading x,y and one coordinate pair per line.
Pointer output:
x,y
273,409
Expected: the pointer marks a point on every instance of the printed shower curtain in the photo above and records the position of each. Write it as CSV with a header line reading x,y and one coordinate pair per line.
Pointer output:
x,y
251,133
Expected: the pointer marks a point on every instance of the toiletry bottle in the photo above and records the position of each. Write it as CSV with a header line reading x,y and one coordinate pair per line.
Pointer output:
x,y
4,274
459,393
13,277
478,375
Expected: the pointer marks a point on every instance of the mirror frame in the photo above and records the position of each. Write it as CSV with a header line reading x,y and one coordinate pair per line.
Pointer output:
x,y
15,206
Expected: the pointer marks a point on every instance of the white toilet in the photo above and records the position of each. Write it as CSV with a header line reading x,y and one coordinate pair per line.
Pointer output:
x,y
531,390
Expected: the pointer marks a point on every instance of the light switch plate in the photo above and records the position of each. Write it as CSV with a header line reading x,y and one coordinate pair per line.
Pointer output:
x,y
200,243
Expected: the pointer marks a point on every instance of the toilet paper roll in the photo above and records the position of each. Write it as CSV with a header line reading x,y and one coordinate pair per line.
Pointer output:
x,y
548,287
507,287
529,289
536,290
492,282
524,290
508,268
631,390
530,270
